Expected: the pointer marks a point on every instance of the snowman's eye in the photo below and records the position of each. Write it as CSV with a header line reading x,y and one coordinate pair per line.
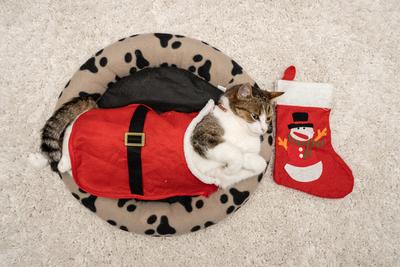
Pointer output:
x,y
304,128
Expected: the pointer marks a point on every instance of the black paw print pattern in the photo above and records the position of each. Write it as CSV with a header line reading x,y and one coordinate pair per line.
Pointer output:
x,y
90,64
114,223
159,226
198,227
86,199
130,207
89,202
238,198
166,37
202,66
123,204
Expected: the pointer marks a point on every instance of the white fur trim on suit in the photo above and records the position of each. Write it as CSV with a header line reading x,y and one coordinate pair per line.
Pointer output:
x,y
188,148
305,94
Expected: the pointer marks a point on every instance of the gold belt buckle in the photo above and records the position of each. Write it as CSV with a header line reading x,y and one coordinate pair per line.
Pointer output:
x,y
132,139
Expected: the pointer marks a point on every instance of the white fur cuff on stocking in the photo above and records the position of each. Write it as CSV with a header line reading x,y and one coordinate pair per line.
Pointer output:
x,y
305,94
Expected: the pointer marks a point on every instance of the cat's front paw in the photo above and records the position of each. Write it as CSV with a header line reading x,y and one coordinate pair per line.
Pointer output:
x,y
254,162
233,168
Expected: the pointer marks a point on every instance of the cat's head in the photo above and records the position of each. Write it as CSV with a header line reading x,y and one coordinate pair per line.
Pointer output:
x,y
252,105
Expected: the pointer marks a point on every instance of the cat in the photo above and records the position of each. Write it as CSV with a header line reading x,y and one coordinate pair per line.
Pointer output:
x,y
226,142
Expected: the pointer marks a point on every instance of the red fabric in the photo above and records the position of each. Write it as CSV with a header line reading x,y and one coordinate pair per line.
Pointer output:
x,y
289,74
99,156
335,180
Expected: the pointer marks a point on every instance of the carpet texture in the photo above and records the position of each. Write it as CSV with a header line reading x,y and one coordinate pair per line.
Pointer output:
x,y
352,44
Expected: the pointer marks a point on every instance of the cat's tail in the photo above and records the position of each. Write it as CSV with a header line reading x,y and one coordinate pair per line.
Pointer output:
x,y
53,130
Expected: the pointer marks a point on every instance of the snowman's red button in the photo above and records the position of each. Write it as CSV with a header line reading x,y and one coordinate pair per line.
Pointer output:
x,y
301,156
300,149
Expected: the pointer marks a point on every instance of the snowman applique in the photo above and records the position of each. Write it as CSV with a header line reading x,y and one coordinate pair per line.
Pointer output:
x,y
303,163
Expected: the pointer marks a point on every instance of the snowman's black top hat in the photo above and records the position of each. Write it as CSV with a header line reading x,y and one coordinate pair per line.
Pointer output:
x,y
300,117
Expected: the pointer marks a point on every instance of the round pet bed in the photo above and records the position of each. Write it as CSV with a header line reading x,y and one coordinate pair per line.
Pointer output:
x,y
128,57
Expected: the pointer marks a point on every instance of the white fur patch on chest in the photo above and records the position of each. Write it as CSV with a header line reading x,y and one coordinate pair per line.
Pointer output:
x,y
236,133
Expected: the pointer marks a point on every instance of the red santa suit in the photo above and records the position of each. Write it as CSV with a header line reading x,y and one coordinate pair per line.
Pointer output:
x,y
148,164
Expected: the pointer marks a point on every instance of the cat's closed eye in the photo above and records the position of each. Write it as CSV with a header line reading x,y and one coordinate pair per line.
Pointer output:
x,y
255,116
269,113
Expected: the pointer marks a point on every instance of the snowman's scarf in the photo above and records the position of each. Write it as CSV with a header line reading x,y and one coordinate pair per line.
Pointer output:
x,y
309,145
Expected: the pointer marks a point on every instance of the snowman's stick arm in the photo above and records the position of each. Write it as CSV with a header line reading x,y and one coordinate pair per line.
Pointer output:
x,y
282,142
321,134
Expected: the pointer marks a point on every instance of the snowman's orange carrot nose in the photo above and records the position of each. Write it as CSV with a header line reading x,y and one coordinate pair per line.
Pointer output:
x,y
301,135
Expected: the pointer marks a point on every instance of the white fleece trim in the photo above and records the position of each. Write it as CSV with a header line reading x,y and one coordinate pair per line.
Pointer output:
x,y
187,145
222,88
305,94
64,165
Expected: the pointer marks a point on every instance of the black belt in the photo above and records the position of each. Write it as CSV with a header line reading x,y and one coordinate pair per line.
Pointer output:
x,y
134,141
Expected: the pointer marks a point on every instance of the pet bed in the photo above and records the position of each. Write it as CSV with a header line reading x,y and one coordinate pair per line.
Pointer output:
x,y
166,72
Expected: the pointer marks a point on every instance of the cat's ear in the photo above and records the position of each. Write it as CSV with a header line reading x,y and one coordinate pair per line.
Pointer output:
x,y
272,95
244,91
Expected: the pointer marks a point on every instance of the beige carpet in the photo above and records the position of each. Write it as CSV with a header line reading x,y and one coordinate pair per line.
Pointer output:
x,y
352,44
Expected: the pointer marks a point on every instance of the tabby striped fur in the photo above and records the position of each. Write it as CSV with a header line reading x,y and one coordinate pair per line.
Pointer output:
x,y
53,130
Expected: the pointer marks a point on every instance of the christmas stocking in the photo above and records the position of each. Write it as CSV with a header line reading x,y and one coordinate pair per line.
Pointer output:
x,y
304,157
